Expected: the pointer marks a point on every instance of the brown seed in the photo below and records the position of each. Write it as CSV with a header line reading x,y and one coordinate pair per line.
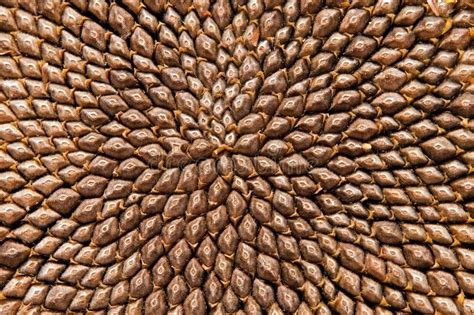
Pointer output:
x,y
59,297
64,200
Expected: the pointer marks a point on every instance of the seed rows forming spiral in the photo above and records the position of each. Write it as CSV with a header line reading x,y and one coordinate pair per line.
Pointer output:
x,y
232,156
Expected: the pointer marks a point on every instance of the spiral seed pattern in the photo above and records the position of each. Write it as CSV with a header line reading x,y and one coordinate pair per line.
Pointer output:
x,y
236,157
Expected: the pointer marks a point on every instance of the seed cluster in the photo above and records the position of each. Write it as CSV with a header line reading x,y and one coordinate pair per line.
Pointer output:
x,y
233,156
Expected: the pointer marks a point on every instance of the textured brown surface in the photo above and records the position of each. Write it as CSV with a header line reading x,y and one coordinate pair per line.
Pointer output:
x,y
234,156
